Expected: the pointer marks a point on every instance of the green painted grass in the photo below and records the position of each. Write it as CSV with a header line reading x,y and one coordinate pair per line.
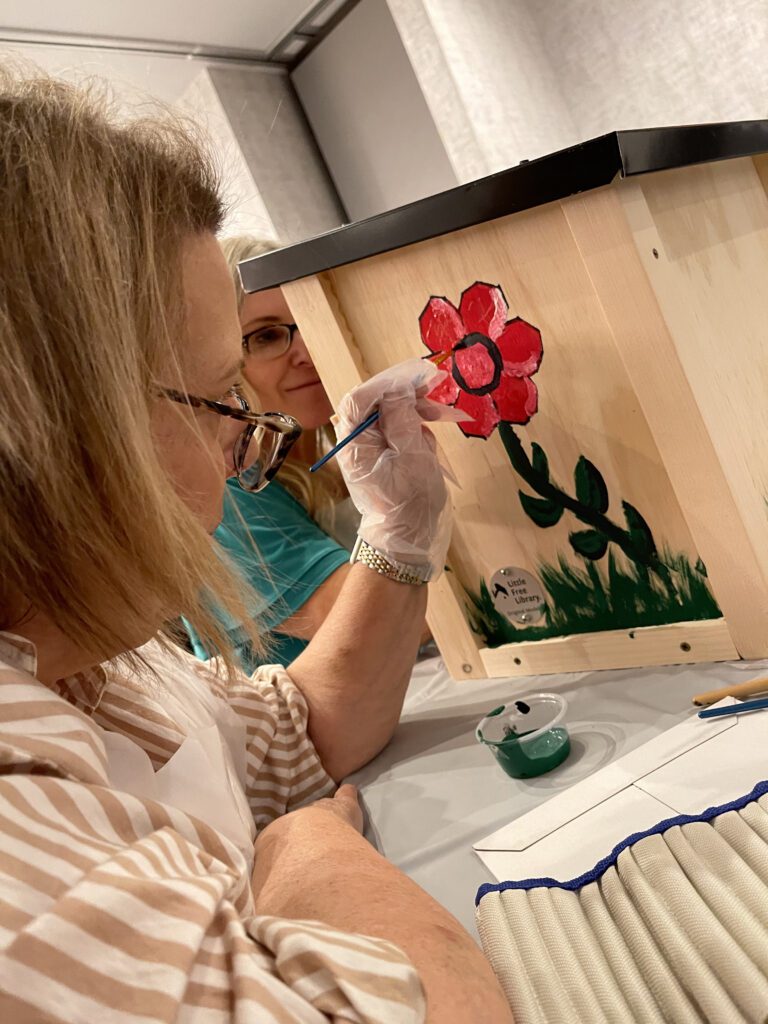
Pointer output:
x,y
591,599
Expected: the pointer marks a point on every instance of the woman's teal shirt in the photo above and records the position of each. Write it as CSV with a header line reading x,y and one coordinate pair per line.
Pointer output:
x,y
283,554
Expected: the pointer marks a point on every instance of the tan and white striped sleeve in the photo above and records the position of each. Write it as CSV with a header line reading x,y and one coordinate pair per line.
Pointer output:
x,y
115,910
284,769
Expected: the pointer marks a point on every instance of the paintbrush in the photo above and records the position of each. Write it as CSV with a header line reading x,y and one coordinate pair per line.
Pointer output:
x,y
345,441
436,358
735,709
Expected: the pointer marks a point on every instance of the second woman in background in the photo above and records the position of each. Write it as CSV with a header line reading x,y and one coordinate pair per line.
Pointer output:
x,y
291,541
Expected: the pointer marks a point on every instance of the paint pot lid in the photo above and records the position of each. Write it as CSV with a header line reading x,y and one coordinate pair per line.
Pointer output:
x,y
526,717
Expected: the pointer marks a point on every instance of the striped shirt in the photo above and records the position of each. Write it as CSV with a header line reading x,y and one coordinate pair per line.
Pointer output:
x,y
116,908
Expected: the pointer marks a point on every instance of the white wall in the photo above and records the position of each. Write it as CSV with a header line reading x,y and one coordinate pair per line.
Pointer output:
x,y
277,146
372,123
250,113
246,210
638,63
508,80
132,75
138,79
502,74
231,24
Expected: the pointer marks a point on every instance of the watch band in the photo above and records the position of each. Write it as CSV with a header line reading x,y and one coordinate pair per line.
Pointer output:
x,y
401,572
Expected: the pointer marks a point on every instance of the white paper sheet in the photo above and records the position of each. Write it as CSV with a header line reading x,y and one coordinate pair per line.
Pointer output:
x,y
698,764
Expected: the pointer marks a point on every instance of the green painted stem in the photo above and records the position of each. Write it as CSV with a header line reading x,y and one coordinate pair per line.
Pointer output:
x,y
546,489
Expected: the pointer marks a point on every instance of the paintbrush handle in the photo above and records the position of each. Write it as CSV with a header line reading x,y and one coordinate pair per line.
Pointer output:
x,y
735,709
345,441
737,690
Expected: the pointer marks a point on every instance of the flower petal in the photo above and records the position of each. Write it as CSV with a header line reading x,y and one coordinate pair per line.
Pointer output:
x,y
483,413
447,390
517,398
483,309
441,326
520,347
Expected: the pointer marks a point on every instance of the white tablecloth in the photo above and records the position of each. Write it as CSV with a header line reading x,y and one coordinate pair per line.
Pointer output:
x,y
434,790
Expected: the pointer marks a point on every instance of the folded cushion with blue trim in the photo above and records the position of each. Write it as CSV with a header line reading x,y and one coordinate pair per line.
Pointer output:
x,y
671,927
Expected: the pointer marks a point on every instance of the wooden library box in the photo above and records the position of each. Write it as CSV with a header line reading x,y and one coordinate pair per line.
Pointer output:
x,y
602,313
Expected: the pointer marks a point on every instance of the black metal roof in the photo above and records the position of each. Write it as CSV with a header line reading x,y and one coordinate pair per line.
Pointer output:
x,y
565,173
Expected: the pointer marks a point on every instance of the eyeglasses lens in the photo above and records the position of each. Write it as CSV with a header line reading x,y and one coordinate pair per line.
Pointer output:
x,y
269,342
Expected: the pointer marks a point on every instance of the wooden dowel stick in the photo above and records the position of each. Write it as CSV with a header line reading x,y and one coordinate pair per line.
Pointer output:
x,y
737,690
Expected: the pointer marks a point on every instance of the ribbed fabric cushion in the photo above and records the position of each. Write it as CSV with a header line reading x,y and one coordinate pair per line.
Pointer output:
x,y
671,928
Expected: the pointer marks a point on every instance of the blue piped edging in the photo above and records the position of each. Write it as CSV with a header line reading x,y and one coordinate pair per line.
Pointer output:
x,y
761,789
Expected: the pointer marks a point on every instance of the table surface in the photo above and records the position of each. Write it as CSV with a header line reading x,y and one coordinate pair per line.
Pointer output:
x,y
435,791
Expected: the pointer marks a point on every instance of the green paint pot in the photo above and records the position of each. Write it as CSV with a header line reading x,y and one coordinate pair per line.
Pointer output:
x,y
525,736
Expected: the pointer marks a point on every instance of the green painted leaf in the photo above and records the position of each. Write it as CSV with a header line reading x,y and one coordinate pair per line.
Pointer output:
x,y
542,511
639,531
589,543
700,568
539,460
590,486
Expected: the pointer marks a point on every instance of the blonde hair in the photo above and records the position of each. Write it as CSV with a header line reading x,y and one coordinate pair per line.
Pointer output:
x,y
319,494
95,212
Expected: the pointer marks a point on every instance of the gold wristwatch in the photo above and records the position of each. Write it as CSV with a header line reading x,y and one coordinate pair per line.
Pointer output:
x,y
401,572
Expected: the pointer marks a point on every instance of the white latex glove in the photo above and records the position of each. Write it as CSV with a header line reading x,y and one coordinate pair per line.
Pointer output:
x,y
391,469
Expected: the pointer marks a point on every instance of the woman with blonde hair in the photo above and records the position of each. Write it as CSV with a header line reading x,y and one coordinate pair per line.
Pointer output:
x,y
291,542
148,868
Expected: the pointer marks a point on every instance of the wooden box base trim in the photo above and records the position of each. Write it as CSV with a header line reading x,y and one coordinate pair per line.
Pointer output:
x,y
679,644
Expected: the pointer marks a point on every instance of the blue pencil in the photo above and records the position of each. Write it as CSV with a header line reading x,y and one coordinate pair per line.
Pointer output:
x,y
736,709
345,440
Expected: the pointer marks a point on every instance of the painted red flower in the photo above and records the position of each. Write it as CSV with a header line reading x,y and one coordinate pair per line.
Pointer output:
x,y
490,359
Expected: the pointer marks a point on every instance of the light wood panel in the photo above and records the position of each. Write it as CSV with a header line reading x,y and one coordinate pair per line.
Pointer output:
x,y
327,335
447,618
640,332
340,364
652,305
761,166
679,644
702,236
587,402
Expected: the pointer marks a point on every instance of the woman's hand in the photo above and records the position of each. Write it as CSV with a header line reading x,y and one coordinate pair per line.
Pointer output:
x,y
392,470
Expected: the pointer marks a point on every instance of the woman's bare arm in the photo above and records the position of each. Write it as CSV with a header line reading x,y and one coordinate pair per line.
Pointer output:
x,y
355,672
313,864
307,620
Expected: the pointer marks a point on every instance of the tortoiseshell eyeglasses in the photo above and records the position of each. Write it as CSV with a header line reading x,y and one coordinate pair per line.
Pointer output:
x,y
266,438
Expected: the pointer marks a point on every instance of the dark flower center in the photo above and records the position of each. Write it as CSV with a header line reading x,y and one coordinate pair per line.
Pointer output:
x,y
480,360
